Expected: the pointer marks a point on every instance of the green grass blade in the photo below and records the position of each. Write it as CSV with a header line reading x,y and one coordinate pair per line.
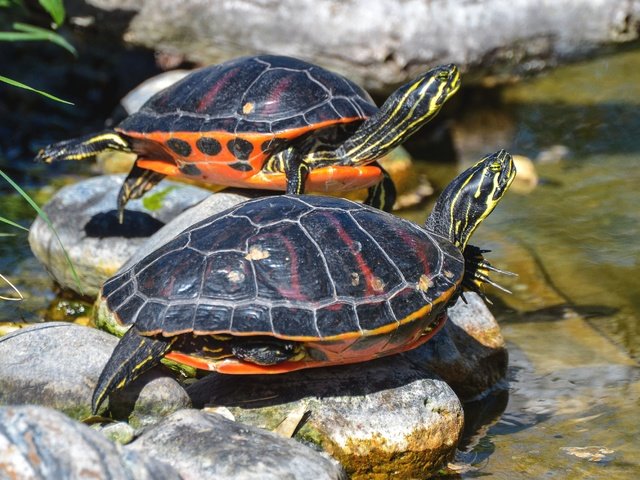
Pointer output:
x,y
21,37
46,35
27,87
13,224
13,287
55,8
45,217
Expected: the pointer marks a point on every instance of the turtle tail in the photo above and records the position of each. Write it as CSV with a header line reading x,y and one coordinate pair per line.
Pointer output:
x,y
84,147
133,355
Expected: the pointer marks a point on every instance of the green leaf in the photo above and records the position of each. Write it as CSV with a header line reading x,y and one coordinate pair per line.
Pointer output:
x,y
27,87
38,33
154,201
45,217
12,223
55,8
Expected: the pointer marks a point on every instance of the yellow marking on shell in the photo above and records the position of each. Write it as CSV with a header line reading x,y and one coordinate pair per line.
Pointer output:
x,y
248,108
257,253
235,276
355,278
448,274
424,283
377,284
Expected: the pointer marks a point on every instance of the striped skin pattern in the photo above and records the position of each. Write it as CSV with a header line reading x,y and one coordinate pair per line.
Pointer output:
x,y
346,280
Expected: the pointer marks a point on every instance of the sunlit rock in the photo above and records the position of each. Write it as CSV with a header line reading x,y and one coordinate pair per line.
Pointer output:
x,y
38,442
204,445
387,416
58,364
85,218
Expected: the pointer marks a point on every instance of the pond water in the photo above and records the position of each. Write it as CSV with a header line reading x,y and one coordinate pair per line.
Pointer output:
x,y
571,324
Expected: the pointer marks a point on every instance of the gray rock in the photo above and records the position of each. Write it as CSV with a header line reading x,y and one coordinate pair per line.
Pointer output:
x,y
117,432
469,353
85,218
384,417
203,445
58,365
37,442
377,43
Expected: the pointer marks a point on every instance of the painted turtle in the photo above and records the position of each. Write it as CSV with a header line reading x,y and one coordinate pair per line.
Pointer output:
x,y
286,282
268,122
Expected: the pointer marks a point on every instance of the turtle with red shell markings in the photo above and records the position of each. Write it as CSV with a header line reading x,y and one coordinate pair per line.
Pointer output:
x,y
267,122
287,282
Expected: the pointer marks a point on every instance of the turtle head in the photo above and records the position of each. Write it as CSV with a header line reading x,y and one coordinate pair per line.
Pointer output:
x,y
419,100
471,197
463,204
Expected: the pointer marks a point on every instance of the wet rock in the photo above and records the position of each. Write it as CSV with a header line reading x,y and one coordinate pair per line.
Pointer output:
x,y
388,44
527,177
469,353
384,417
85,218
203,445
38,442
58,365
118,432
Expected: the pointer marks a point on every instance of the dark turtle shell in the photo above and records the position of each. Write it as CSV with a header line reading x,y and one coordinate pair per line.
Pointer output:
x,y
265,94
304,268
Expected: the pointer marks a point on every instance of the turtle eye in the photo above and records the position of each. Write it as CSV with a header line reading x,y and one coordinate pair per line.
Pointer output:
x,y
444,75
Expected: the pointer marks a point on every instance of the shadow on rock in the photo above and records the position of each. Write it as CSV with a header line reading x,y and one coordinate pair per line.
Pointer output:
x,y
136,224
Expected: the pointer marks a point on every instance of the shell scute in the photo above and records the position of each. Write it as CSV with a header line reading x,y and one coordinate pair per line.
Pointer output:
x,y
177,275
271,210
212,318
251,319
357,264
336,319
288,265
228,277
295,322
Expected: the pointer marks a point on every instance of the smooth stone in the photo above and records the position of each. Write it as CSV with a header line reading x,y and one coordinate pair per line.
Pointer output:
x,y
84,216
469,353
117,432
205,445
58,364
38,442
378,44
387,417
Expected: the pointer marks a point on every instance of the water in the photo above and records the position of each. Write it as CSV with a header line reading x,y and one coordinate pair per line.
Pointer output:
x,y
572,321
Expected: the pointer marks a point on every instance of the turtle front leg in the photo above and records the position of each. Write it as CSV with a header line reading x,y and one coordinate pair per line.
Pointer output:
x,y
138,182
83,147
133,355
296,171
383,194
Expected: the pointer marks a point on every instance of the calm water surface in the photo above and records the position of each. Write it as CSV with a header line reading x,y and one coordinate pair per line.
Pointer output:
x,y
572,324
573,409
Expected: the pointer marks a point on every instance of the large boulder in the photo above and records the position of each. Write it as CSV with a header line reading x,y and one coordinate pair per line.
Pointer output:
x,y
377,43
